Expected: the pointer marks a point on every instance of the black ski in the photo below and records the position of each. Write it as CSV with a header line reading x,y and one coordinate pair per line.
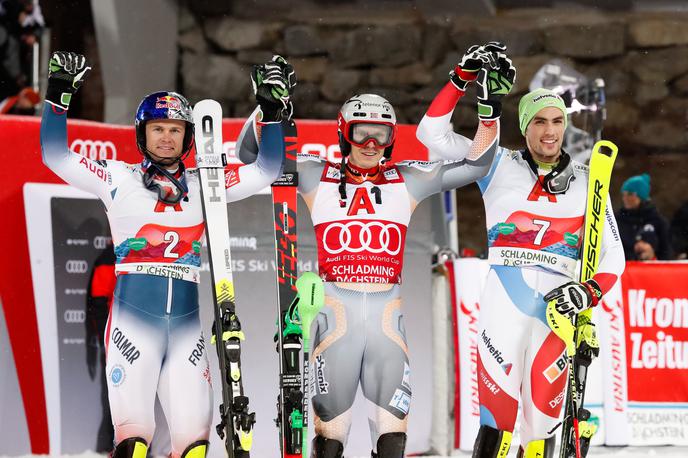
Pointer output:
x,y
236,423
289,402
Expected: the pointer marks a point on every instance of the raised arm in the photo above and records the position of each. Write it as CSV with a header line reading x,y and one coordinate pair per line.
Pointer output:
x,y
267,167
471,160
495,76
67,72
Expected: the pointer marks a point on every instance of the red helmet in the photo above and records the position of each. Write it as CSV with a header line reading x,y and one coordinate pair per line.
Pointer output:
x,y
365,118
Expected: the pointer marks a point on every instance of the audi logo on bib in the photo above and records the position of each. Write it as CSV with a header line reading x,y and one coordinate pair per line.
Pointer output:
x,y
74,316
94,149
76,266
362,236
361,251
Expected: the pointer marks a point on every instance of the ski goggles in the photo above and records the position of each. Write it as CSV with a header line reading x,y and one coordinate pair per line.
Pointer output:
x,y
361,133
170,189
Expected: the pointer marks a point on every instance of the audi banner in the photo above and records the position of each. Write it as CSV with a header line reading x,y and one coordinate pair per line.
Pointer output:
x,y
638,387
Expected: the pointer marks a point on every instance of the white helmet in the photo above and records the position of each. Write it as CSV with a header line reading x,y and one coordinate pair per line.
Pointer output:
x,y
366,109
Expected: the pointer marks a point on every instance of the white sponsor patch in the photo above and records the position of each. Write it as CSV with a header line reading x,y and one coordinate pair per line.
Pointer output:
x,y
332,173
401,401
391,174
425,166
406,380
307,157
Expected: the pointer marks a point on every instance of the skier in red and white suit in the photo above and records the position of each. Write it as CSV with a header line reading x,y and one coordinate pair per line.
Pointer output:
x,y
361,209
154,344
535,204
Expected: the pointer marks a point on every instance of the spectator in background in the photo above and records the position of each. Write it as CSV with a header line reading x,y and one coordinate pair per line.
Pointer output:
x,y
24,103
11,77
646,244
638,217
679,231
21,24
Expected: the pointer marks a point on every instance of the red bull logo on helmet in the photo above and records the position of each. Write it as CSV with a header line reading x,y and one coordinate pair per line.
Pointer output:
x,y
168,101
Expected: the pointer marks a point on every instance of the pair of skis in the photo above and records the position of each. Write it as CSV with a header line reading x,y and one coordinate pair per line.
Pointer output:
x,y
299,299
576,430
236,422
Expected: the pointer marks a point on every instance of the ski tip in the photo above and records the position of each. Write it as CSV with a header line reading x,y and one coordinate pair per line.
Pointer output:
x,y
605,147
207,107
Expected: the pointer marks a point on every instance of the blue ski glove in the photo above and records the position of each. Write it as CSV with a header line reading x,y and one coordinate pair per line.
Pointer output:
x,y
66,73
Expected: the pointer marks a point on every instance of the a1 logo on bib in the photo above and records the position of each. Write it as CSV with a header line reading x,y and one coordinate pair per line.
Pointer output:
x,y
361,201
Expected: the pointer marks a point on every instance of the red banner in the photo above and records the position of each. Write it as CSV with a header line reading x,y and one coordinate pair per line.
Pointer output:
x,y
656,315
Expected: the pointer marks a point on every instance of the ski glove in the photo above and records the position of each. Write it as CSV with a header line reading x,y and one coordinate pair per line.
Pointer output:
x,y
574,297
273,85
472,61
66,73
587,343
494,82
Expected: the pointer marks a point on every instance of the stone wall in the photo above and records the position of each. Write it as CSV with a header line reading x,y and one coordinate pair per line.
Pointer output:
x,y
394,49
